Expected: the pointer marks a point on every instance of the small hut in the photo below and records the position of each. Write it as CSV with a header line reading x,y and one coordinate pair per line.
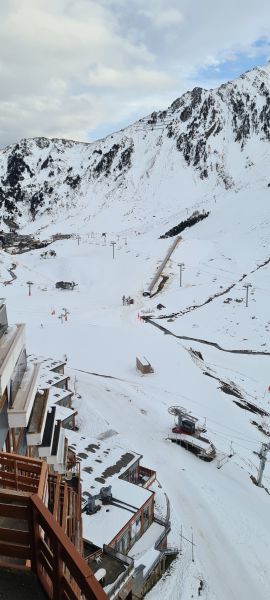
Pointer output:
x,y
143,365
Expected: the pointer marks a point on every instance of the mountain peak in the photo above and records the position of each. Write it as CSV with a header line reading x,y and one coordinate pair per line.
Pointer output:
x,y
211,139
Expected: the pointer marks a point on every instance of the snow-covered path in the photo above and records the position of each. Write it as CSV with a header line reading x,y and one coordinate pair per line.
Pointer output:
x,y
228,514
195,497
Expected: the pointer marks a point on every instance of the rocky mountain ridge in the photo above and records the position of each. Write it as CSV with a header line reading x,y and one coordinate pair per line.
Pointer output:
x,y
207,141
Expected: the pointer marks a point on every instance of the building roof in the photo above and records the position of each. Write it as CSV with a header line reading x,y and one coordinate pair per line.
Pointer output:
x,y
48,363
63,412
103,461
57,394
48,378
102,527
146,542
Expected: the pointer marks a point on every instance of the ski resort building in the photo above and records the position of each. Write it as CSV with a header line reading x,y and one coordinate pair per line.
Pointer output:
x,y
35,404
122,533
18,385
40,489
78,499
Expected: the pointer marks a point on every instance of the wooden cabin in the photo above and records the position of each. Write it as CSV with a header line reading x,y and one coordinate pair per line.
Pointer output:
x,y
143,365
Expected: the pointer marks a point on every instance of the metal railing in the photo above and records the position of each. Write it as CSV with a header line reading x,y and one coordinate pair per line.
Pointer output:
x,y
121,580
127,560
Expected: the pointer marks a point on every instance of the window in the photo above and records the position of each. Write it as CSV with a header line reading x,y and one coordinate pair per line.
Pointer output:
x,y
17,375
146,517
3,319
138,524
122,543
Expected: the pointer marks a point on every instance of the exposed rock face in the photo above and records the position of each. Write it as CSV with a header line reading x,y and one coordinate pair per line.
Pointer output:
x,y
195,218
203,130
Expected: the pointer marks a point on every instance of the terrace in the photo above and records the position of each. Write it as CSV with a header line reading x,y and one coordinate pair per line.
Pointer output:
x,y
37,421
29,534
145,477
20,411
11,344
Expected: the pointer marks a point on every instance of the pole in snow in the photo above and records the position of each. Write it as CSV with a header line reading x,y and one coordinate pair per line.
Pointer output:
x,y
29,283
113,244
181,267
65,313
192,545
181,540
262,456
247,286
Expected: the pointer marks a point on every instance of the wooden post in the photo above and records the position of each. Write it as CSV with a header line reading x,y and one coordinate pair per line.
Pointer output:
x,y
56,497
42,480
57,571
35,536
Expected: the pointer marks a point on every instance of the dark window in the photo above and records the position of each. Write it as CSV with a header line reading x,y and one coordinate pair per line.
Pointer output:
x,y
3,419
146,518
17,375
3,319
59,384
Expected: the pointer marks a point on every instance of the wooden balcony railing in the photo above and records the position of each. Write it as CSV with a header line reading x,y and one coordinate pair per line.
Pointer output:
x,y
15,539
29,532
61,570
145,476
22,473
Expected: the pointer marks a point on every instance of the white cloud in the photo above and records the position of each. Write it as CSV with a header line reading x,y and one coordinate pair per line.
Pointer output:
x,y
68,67
162,18
135,78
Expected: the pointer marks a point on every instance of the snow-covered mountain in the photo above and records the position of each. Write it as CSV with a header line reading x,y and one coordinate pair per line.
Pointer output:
x,y
209,151
206,142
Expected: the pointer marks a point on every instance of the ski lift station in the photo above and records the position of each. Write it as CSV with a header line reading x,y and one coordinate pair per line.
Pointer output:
x,y
188,434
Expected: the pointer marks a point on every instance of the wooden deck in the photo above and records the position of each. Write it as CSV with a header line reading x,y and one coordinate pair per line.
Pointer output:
x,y
30,534
17,583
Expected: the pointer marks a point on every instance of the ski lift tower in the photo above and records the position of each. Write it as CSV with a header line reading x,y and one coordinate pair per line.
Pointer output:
x,y
187,434
185,421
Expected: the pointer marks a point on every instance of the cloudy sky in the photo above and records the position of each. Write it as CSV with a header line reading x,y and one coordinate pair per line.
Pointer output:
x,y
83,68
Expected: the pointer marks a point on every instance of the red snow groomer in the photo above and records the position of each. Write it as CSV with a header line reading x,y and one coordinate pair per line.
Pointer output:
x,y
188,434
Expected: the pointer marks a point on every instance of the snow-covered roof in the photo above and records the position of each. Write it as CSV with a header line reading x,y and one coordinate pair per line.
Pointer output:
x,y
63,412
48,380
46,363
103,461
56,394
204,445
102,527
146,542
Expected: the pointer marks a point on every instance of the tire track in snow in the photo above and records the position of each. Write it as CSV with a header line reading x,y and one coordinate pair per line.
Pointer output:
x,y
206,342
223,566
